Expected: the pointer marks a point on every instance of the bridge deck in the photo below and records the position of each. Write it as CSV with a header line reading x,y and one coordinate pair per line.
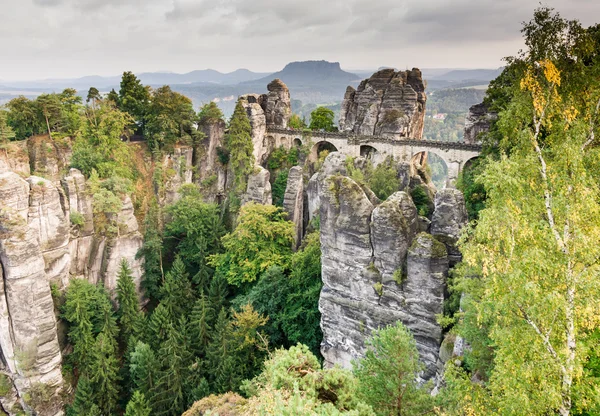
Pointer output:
x,y
354,139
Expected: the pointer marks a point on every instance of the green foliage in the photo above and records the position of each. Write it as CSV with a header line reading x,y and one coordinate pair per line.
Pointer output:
x,y
473,190
151,251
143,366
176,291
134,98
195,233
210,113
104,373
129,315
99,145
383,179
293,379
84,398
169,119
278,189
77,219
388,371
200,325
421,200
6,131
238,143
138,405
378,286
262,238
296,122
322,119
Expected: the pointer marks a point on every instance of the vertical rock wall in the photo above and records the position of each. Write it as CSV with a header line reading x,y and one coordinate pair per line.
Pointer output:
x,y
388,104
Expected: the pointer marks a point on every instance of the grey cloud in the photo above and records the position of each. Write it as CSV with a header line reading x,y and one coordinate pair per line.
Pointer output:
x,y
48,3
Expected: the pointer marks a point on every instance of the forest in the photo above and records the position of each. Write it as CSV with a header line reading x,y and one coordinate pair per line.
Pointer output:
x,y
229,322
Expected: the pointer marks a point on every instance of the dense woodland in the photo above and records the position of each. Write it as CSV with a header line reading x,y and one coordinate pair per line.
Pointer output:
x,y
230,317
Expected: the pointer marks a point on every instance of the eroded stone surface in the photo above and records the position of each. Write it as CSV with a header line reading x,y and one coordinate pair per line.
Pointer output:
x,y
448,220
388,104
478,122
259,187
293,201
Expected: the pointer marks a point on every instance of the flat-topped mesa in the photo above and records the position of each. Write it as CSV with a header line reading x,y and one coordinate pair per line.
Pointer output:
x,y
388,104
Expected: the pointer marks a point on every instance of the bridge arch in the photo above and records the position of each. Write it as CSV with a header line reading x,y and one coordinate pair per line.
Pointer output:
x,y
297,142
319,147
438,166
368,152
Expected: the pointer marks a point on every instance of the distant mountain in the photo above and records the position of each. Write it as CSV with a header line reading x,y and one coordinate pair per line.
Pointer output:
x,y
459,75
311,73
200,76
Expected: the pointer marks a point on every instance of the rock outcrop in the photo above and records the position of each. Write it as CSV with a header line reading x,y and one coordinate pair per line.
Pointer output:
x,y
388,104
277,104
259,187
211,175
293,201
273,110
178,168
448,220
28,338
376,270
49,158
478,122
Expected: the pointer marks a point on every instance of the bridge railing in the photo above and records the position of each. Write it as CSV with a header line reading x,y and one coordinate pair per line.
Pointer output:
x,y
355,139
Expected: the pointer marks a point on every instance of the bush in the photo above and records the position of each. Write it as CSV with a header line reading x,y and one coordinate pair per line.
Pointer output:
x,y
77,219
421,200
279,186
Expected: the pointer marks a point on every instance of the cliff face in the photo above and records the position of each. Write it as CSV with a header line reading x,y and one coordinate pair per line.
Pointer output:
x,y
478,122
40,246
378,268
388,104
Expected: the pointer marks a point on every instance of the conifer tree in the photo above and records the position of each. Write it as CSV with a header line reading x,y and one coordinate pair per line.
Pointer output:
x,y
94,411
176,292
143,367
106,321
168,395
200,326
129,315
217,293
151,252
84,397
219,356
239,144
138,405
104,373
157,327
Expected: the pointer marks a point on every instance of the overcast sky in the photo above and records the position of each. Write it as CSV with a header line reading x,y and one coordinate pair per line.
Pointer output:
x,y
70,38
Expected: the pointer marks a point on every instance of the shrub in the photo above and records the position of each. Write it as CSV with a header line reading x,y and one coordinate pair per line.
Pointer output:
x,y
77,219
279,187
421,200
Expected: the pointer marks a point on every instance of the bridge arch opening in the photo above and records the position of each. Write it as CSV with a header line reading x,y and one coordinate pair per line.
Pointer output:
x,y
434,165
320,149
368,152
297,142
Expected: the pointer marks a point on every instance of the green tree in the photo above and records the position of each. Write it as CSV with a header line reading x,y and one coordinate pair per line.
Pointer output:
x,y
388,371
169,119
143,367
176,292
22,118
168,395
535,242
84,398
138,405
49,107
210,113
152,253
157,327
100,147
322,119
238,143
129,314
134,98
219,357
262,238
296,122
200,326
104,373
194,232
383,179
6,131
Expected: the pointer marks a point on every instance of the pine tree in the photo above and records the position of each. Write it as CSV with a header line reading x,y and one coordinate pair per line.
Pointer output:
x,y
176,292
168,395
200,326
151,252
138,405
239,144
219,355
143,367
217,293
104,373
129,315
106,321
84,397
157,327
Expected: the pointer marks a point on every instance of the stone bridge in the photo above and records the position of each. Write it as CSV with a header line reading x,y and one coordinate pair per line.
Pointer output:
x,y
454,154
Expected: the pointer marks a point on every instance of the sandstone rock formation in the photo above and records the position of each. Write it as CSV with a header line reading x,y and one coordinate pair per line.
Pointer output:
x,y
259,187
273,110
15,158
448,220
49,158
376,269
277,104
478,122
211,175
293,201
28,337
388,104
178,171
